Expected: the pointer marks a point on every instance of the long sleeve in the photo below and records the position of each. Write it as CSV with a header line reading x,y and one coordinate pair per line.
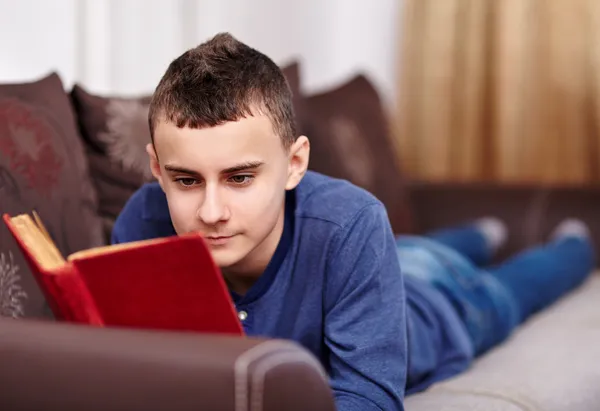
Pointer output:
x,y
144,216
365,316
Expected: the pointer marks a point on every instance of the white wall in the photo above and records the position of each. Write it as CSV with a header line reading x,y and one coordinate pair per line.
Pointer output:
x,y
124,46
37,36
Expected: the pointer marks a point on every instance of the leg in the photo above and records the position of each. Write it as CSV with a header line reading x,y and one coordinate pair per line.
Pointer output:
x,y
487,310
476,241
439,348
493,302
540,276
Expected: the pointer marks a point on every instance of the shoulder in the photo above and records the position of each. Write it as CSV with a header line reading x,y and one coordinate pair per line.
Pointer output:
x,y
348,224
144,216
336,201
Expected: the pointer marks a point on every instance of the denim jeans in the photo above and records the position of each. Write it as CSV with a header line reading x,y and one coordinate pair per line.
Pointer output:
x,y
493,300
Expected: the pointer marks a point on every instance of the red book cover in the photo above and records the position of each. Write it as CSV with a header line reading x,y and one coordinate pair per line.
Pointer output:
x,y
165,284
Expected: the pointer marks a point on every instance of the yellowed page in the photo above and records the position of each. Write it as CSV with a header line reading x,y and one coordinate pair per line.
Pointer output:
x,y
42,248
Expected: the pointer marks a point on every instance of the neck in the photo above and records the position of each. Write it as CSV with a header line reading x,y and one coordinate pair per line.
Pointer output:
x,y
243,275
239,285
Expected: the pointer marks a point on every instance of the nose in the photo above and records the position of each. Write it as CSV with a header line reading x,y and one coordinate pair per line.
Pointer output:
x,y
212,210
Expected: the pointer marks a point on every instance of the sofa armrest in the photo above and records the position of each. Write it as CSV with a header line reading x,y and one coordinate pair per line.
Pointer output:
x,y
52,366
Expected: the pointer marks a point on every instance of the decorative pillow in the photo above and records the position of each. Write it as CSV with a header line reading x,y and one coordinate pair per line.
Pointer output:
x,y
42,167
350,139
12,293
115,130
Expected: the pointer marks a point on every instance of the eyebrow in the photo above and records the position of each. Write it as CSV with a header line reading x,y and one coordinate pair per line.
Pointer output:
x,y
245,166
182,170
248,165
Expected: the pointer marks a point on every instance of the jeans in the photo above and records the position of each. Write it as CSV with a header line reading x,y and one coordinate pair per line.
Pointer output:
x,y
492,300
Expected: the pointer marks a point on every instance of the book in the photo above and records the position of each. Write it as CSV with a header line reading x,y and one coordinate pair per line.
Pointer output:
x,y
167,283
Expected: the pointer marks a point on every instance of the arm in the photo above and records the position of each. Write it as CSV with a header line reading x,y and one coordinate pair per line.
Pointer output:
x,y
144,216
118,234
130,228
365,324
129,225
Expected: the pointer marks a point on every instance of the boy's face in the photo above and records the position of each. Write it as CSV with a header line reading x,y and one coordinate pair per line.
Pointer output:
x,y
228,182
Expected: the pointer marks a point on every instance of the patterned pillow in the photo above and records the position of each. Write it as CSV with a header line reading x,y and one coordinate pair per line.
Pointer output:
x,y
12,293
115,132
43,167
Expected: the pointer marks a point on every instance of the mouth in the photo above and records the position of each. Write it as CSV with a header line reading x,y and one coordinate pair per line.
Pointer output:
x,y
218,240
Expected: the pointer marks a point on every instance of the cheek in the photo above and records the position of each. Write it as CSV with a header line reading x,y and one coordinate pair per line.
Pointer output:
x,y
182,208
259,207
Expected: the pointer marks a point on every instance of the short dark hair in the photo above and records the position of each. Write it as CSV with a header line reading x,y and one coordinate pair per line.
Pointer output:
x,y
223,80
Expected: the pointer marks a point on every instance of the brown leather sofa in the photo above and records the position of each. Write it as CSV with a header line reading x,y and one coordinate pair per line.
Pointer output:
x,y
53,366
56,157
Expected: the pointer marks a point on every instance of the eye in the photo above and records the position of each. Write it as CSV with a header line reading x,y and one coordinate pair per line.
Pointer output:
x,y
241,179
186,181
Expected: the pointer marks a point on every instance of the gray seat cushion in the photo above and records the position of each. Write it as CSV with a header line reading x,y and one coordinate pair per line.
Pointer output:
x,y
551,363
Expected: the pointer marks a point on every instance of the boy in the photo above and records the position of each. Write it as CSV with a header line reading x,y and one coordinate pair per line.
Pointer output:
x,y
306,257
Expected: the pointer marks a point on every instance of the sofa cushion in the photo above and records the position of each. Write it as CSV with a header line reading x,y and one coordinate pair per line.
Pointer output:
x,y
115,131
42,168
549,364
350,138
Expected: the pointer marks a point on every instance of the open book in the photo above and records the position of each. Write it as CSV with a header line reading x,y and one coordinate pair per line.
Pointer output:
x,y
167,284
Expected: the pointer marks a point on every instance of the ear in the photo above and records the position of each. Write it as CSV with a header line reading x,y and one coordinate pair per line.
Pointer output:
x,y
299,154
154,164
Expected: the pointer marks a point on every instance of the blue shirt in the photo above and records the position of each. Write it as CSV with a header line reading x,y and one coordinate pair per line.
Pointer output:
x,y
335,286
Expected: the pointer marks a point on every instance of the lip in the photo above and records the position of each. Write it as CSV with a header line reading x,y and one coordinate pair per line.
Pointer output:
x,y
218,240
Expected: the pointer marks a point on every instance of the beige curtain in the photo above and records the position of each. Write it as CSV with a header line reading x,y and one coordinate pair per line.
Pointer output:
x,y
504,90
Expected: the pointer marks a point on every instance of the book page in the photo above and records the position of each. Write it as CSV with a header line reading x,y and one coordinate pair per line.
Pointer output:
x,y
41,247
111,248
49,242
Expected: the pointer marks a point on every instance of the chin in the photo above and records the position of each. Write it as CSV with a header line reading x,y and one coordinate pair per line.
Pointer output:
x,y
225,258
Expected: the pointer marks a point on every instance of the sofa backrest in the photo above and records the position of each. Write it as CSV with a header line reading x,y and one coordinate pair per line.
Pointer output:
x,y
530,211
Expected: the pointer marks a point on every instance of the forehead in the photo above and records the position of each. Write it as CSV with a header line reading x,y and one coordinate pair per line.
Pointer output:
x,y
249,139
